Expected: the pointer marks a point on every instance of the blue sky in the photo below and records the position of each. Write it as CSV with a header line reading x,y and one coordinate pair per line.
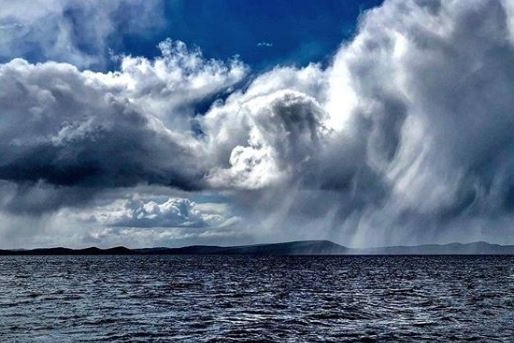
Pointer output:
x,y
299,32
152,122
289,32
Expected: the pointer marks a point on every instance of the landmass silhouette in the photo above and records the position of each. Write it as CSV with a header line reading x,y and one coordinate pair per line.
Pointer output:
x,y
313,247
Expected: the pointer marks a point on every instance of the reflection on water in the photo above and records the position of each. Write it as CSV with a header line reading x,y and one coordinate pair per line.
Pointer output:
x,y
275,299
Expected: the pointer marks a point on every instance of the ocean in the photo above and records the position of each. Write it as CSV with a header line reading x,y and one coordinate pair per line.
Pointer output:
x,y
248,299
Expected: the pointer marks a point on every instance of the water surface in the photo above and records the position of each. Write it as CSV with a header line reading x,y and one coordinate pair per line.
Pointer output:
x,y
238,298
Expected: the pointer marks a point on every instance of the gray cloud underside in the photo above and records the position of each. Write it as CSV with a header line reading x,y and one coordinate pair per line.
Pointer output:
x,y
407,134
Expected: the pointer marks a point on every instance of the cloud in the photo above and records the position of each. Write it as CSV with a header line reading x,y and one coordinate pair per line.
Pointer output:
x,y
404,138
433,89
163,212
282,133
264,44
66,127
411,139
80,33
73,130
265,135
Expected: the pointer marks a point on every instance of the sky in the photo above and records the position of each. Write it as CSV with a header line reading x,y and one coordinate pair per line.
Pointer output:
x,y
168,123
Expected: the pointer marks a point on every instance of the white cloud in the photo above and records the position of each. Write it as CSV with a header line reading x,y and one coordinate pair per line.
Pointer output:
x,y
162,212
78,32
283,133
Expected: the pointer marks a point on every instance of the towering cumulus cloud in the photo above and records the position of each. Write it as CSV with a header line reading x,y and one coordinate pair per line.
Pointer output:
x,y
405,137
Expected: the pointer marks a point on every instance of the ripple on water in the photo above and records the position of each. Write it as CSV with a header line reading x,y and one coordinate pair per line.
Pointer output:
x,y
270,299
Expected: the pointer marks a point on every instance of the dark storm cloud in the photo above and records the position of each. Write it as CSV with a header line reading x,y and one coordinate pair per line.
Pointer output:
x,y
70,128
57,128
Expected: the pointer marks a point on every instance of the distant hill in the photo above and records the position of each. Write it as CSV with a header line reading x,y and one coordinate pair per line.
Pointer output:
x,y
321,247
287,248
475,248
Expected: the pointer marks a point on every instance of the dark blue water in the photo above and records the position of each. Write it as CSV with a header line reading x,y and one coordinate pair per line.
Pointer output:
x,y
275,299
